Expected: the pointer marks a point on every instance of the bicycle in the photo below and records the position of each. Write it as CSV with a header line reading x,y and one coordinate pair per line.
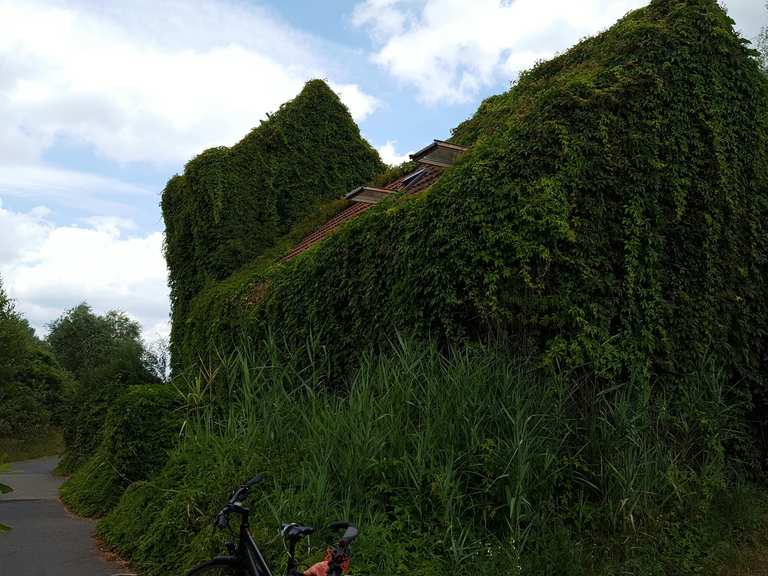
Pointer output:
x,y
244,557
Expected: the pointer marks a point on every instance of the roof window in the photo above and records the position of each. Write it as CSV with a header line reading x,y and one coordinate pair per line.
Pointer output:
x,y
368,194
439,153
408,180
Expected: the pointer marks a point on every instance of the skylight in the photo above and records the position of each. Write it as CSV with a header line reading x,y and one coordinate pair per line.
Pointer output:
x,y
439,153
412,177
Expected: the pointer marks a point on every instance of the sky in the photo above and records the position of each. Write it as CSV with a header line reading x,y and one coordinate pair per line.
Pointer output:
x,y
101,102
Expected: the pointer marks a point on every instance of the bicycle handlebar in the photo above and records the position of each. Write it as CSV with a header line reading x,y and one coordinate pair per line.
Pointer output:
x,y
234,503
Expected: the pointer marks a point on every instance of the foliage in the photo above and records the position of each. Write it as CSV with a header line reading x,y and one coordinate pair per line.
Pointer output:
x,y
32,383
223,302
231,204
141,427
475,458
106,355
612,212
610,224
32,445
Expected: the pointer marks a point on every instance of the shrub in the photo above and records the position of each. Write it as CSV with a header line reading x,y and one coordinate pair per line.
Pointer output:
x,y
106,355
140,429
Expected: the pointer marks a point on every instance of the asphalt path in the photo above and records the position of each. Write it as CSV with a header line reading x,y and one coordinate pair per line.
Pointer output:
x,y
45,539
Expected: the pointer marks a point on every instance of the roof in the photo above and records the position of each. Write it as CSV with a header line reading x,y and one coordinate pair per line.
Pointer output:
x,y
364,197
437,144
325,230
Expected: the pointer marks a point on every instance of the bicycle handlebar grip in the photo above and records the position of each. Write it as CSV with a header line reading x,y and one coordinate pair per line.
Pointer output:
x,y
350,534
350,531
253,481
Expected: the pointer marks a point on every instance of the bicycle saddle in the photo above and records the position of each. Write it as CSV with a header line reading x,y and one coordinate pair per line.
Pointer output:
x,y
295,531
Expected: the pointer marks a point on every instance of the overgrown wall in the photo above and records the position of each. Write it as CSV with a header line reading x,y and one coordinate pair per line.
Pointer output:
x,y
233,203
613,210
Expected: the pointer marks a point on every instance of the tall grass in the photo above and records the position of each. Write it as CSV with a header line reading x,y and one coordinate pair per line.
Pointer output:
x,y
461,462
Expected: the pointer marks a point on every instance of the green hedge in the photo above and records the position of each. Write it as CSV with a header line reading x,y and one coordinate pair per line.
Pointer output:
x,y
233,203
140,429
613,210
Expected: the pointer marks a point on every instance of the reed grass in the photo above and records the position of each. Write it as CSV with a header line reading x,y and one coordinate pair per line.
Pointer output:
x,y
451,462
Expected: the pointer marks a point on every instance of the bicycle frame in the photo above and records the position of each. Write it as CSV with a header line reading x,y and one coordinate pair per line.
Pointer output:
x,y
257,564
246,559
246,555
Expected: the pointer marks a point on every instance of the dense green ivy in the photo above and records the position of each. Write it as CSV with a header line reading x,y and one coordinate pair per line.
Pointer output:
x,y
233,203
224,303
613,211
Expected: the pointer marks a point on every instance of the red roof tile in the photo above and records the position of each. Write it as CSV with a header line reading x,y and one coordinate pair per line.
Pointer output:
x,y
326,229
411,183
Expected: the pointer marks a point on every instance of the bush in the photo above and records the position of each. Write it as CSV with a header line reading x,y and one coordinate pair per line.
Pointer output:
x,y
475,457
140,429
106,355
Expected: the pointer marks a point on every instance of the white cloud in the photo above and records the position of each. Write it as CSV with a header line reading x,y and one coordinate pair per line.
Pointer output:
x,y
448,50
384,17
85,192
49,268
148,81
389,154
360,104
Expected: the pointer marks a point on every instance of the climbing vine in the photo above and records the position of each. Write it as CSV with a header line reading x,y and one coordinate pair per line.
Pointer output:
x,y
231,204
612,212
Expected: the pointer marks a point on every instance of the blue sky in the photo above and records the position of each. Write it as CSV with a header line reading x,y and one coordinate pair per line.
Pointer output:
x,y
101,102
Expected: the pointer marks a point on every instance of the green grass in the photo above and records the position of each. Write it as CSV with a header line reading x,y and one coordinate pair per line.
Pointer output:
x,y
17,449
472,458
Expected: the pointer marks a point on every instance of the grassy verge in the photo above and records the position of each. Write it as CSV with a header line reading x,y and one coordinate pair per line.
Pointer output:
x,y
17,449
475,461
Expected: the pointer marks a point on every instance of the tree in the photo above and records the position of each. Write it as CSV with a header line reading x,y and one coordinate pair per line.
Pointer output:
x,y
106,355
32,383
157,358
80,339
13,335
